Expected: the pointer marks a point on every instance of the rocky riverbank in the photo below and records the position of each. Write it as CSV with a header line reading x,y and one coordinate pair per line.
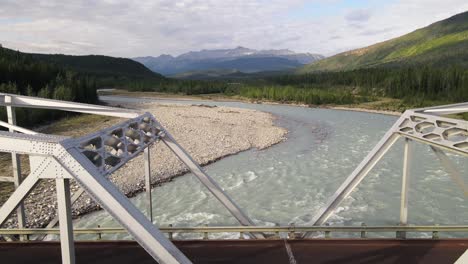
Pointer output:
x,y
207,133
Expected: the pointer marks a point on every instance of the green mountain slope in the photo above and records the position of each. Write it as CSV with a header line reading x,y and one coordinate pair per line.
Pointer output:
x,y
440,44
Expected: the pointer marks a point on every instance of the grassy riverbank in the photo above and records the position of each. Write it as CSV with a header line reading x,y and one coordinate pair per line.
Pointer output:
x,y
372,104
380,105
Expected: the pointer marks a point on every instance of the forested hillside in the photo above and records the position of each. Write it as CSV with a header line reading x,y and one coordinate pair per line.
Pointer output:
x,y
22,74
107,71
442,44
417,86
98,65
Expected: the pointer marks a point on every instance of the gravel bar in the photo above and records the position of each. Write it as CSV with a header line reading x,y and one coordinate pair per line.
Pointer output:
x,y
207,133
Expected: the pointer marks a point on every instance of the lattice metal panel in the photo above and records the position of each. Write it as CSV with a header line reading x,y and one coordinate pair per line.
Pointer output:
x,y
110,148
451,133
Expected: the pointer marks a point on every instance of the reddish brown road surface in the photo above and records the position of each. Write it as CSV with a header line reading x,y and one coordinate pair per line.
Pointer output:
x,y
249,251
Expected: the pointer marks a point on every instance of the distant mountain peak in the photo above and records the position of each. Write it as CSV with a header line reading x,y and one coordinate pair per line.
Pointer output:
x,y
240,58
165,56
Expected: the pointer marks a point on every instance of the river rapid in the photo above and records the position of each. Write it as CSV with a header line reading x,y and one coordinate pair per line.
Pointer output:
x,y
289,182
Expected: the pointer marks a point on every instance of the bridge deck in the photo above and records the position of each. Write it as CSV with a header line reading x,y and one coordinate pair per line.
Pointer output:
x,y
249,251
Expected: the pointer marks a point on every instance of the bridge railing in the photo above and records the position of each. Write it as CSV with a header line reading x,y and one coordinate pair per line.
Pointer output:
x,y
89,160
271,232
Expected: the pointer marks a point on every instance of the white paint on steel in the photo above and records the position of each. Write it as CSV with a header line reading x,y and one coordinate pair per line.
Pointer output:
x,y
405,180
23,190
54,169
42,103
120,207
39,144
17,197
463,259
445,109
407,155
14,128
147,165
54,221
16,166
65,221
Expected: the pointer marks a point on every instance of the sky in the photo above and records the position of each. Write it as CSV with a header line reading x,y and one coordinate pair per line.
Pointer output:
x,y
130,28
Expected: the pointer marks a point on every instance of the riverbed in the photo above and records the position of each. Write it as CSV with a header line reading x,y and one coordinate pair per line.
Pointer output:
x,y
289,182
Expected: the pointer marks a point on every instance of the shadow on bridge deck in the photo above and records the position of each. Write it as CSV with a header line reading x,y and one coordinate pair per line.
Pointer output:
x,y
249,251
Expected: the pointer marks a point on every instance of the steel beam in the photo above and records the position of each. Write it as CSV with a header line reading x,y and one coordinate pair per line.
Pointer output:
x,y
17,197
24,189
445,109
42,103
448,111
407,155
55,221
74,198
65,219
120,207
148,182
39,144
356,176
16,165
405,180
15,128
451,169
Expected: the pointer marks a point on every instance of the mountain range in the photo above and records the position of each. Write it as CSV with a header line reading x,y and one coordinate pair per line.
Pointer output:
x,y
441,44
238,59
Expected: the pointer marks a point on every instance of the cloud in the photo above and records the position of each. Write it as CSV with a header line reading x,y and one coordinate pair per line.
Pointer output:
x,y
130,28
335,37
282,42
359,15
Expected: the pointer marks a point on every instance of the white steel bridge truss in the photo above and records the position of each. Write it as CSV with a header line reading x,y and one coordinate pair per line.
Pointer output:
x,y
426,125
90,159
